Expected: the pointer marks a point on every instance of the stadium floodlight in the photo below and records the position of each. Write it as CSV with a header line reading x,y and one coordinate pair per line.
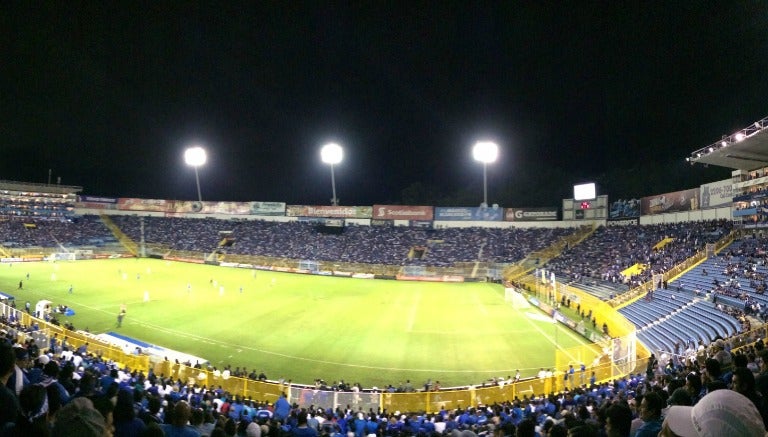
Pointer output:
x,y
739,136
195,157
485,152
332,154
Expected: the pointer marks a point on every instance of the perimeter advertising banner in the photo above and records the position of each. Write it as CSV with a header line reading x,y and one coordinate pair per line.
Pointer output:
x,y
132,204
530,214
328,211
402,212
622,209
97,199
716,194
267,208
678,201
96,202
469,214
193,206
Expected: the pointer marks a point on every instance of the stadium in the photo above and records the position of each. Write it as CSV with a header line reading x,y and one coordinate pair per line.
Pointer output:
x,y
397,307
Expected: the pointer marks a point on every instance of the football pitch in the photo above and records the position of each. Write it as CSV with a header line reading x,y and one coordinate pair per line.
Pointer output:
x,y
302,327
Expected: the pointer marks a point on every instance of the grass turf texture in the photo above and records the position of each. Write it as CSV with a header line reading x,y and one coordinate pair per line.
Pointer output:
x,y
303,327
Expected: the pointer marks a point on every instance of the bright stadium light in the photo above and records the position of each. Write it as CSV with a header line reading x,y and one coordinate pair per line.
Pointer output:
x,y
739,136
485,152
195,157
332,154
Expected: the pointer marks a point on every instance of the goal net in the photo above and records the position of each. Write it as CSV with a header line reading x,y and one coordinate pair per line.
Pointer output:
x,y
517,299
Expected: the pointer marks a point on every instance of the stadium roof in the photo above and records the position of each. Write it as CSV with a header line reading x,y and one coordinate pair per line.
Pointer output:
x,y
39,188
746,149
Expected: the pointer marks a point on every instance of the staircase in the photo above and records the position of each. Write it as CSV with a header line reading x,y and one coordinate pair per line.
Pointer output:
x,y
124,240
541,257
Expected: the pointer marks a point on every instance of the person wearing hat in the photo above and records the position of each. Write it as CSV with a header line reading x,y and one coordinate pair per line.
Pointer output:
x,y
719,413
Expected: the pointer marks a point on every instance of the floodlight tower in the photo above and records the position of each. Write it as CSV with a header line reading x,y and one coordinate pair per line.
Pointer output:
x,y
331,154
485,152
195,157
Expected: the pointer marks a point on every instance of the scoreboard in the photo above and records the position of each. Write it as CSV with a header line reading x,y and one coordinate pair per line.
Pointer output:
x,y
586,209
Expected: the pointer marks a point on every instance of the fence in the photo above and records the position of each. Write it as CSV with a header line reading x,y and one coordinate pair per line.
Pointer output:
x,y
74,339
420,401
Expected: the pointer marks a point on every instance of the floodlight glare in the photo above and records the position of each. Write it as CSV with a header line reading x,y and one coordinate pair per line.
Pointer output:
x,y
485,152
739,136
195,157
723,144
332,154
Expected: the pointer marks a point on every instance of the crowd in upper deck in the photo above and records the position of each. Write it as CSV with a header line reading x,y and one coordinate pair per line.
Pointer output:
x,y
612,249
86,230
357,244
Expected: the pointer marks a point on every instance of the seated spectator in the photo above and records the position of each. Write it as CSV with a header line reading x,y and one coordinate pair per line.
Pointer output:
x,y
720,413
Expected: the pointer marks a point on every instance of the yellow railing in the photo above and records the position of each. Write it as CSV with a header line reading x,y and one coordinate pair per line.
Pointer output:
x,y
429,401
76,339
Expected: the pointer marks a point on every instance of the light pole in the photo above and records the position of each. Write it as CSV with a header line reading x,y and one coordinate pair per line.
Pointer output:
x,y
195,157
332,154
485,152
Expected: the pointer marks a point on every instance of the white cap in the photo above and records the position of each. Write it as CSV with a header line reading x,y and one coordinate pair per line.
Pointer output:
x,y
719,413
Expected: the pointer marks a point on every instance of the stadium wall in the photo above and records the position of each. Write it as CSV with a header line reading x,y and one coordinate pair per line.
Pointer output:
x,y
688,216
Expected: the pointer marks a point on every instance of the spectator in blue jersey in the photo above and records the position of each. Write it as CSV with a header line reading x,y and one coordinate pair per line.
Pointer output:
x,y
302,429
650,413
124,416
282,408
179,426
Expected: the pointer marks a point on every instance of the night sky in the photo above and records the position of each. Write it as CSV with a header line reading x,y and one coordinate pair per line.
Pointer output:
x,y
619,93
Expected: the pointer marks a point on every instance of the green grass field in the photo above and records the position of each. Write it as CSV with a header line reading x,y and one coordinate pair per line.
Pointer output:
x,y
303,327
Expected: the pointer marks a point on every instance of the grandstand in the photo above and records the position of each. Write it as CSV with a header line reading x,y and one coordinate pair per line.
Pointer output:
x,y
703,278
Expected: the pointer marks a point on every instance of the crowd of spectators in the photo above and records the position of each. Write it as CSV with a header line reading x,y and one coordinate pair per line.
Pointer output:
x,y
356,244
75,393
74,232
603,256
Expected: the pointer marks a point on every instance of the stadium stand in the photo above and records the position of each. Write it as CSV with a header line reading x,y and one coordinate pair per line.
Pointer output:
x,y
357,244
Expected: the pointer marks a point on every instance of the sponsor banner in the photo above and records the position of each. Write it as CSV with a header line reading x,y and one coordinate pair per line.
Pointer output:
x,y
267,208
132,204
11,260
422,224
624,222
192,206
530,214
96,199
624,209
744,212
469,214
95,205
716,194
328,211
375,222
402,212
678,201
185,260
363,275
444,278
